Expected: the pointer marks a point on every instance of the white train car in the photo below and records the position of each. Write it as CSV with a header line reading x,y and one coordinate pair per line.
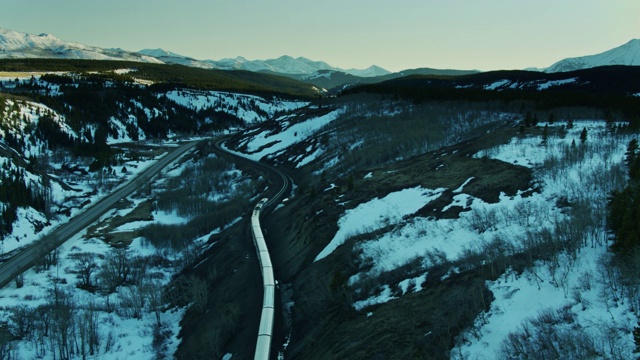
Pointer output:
x,y
265,331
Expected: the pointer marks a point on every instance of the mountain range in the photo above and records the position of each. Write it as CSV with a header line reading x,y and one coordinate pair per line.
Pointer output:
x,y
14,45
282,65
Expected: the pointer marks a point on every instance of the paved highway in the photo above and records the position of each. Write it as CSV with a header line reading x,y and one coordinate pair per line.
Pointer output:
x,y
34,253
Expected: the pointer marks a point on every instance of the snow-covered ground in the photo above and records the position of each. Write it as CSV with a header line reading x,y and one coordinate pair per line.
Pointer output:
x,y
120,335
379,213
566,170
576,287
123,332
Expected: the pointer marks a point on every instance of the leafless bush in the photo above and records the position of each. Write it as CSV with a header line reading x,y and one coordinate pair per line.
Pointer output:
x,y
189,290
550,336
198,290
482,219
23,319
131,302
85,267
88,331
115,270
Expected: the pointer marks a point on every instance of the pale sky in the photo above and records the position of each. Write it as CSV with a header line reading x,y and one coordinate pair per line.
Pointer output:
x,y
396,35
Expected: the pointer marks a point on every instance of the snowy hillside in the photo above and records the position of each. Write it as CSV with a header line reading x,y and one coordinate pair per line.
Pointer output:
x,y
251,109
627,54
258,143
542,251
570,294
569,297
130,120
22,144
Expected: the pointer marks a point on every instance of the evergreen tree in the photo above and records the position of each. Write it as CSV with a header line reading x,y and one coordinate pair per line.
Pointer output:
x,y
570,124
624,206
528,119
583,135
633,160
632,151
545,134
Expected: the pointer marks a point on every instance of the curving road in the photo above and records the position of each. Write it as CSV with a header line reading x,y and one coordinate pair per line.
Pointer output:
x,y
34,253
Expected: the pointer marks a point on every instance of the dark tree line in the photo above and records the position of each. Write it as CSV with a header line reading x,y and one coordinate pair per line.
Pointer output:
x,y
604,88
624,206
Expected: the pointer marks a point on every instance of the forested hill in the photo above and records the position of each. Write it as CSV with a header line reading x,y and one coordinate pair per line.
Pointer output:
x,y
611,88
612,79
167,76
80,112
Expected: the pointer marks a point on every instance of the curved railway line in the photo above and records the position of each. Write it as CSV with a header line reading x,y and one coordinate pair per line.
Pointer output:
x,y
265,330
267,319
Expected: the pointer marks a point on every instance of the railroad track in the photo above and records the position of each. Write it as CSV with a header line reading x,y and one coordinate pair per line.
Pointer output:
x,y
267,319
265,330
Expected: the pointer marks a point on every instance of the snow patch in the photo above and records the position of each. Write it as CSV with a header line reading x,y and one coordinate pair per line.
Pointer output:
x,y
497,84
551,83
378,213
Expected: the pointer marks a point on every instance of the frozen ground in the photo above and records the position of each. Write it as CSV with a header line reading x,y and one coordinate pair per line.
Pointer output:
x,y
123,331
565,170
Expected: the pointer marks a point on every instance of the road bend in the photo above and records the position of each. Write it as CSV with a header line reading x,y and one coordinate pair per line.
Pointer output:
x,y
30,256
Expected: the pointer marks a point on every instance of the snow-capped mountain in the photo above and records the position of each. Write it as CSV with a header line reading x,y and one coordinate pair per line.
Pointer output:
x,y
371,71
158,53
169,57
17,45
290,65
627,54
285,64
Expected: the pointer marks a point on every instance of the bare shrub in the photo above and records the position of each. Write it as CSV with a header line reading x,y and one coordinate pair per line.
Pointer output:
x,y
549,336
482,219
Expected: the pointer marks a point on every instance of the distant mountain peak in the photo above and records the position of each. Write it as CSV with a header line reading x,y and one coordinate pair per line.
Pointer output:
x,y
626,54
159,52
371,71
